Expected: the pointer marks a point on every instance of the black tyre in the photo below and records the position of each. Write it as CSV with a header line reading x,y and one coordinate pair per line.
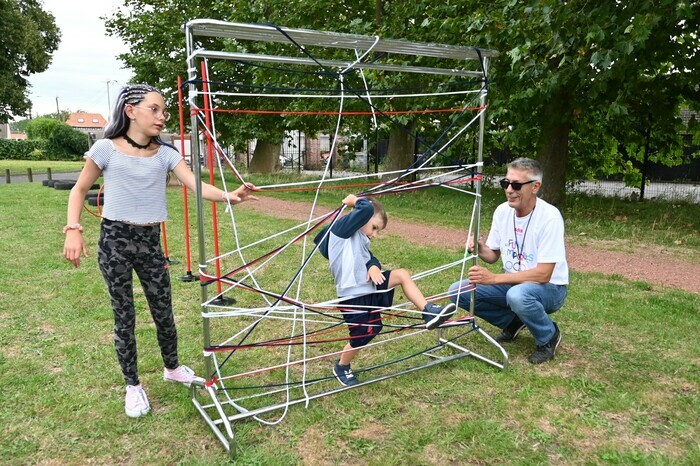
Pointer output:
x,y
93,201
64,185
51,183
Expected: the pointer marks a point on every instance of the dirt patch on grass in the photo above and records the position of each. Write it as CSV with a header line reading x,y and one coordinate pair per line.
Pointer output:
x,y
655,270
311,448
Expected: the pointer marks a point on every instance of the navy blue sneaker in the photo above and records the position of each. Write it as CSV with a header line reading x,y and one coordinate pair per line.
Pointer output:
x,y
544,353
344,374
510,333
434,315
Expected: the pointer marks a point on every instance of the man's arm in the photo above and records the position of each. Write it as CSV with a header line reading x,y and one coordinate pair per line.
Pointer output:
x,y
540,274
486,254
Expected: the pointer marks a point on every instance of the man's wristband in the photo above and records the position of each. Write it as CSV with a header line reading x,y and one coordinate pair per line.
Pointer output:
x,y
73,226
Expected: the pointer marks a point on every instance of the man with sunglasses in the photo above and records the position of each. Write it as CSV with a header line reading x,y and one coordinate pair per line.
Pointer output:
x,y
527,233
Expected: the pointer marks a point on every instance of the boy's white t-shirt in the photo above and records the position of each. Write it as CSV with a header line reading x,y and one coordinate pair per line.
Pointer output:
x,y
526,241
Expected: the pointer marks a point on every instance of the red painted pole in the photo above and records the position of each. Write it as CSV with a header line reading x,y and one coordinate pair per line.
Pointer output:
x,y
189,276
210,161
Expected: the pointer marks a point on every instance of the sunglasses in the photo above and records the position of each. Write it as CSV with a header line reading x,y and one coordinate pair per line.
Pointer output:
x,y
517,186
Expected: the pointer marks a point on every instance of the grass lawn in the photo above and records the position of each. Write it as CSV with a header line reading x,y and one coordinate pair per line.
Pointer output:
x,y
19,167
624,388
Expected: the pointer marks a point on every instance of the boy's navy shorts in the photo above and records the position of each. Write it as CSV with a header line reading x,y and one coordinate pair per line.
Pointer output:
x,y
365,323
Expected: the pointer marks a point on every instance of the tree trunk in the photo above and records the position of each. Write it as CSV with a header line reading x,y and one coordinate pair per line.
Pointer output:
x,y
645,163
266,158
400,153
553,152
379,12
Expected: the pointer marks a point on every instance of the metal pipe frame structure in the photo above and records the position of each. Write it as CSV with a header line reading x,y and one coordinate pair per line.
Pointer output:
x,y
221,414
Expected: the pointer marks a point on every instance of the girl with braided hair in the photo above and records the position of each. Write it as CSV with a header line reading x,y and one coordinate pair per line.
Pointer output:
x,y
135,163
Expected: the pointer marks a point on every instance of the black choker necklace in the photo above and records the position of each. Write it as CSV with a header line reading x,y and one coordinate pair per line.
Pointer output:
x,y
136,144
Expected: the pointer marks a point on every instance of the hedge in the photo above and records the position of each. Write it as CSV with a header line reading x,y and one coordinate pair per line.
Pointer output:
x,y
64,143
22,149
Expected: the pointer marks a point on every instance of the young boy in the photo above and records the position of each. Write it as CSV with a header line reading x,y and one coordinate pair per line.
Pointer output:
x,y
361,283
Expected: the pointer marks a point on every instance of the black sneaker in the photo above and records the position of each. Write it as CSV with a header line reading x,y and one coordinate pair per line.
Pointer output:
x,y
546,352
344,374
511,331
434,315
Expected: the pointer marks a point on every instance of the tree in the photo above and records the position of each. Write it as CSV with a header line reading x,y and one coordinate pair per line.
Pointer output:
x,y
157,56
591,69
577,80
41,128
28,37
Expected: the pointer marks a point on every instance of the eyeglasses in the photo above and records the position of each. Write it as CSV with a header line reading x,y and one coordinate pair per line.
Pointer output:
x,y
517,186
157,111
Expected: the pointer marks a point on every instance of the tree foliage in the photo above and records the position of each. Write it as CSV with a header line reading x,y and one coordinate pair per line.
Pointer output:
x,y
586,87
66,143
41,128
28,37
578,73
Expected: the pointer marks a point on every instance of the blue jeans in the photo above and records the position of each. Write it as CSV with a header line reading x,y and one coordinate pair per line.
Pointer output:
x,y
500,304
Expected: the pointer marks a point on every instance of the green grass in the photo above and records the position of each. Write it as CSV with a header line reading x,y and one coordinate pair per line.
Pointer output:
x,y
19,167
647,228
624,388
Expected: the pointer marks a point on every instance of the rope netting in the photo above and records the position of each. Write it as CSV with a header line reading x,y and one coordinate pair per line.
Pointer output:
x,y
279,339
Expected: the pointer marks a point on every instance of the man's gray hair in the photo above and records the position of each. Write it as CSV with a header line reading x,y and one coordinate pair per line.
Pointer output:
x,y
531,166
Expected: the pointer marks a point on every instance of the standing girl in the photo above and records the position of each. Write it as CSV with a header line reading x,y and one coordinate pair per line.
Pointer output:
x,y
135,163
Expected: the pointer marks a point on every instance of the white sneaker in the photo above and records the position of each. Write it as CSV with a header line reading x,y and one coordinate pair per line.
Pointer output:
x,y
183,375
135,402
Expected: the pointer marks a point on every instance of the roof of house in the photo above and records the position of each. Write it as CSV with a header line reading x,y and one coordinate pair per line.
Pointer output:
x,y
86,120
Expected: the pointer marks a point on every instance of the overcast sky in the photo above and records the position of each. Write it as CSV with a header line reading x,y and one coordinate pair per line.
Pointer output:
x,y
86,60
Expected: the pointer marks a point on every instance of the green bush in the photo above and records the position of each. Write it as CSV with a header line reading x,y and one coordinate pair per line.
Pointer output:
x,y
41,128
66,143
22,149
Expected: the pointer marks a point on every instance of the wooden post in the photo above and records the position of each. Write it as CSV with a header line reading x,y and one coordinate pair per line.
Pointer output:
x,y
30,178
8,178
48,173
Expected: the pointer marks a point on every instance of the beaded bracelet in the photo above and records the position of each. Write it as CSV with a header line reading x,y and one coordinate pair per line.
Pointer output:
x,y
74,226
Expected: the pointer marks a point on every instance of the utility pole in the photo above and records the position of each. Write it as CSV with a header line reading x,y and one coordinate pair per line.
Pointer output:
x,y
58,112
109,104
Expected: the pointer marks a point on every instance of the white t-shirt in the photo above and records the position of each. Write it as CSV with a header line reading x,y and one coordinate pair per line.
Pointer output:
x,y
526,241
134,187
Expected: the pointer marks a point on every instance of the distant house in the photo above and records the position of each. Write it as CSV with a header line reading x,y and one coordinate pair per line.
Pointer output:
x,y
87,122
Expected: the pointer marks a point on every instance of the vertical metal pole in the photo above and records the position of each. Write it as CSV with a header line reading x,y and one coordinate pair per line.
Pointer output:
x,y
480,159
199,202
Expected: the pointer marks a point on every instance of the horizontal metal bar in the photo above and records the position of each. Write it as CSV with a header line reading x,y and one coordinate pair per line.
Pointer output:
x,y
267,409
266,33
335,64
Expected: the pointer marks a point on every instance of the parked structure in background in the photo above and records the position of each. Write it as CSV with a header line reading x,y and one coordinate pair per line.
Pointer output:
x,y
92,124
87,122
6,132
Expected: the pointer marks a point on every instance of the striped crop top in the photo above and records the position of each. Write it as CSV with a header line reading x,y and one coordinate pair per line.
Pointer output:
x,y
134,187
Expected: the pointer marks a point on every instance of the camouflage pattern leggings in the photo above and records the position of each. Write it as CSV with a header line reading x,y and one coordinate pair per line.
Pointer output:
x,y
124,248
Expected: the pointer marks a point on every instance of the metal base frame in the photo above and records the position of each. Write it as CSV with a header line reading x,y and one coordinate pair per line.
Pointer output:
x,y
214,411
466,62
